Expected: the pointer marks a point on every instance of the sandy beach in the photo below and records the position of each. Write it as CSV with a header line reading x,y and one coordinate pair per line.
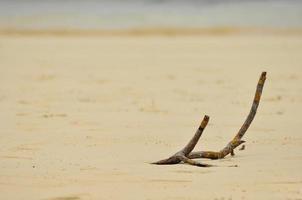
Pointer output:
x,y
82,117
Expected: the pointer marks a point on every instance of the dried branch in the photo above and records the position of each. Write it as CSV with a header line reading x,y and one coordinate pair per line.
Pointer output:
x,y
181,156
236,141
186,155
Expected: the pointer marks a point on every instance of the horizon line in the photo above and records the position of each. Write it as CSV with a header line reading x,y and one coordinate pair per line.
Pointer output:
x,y
165,31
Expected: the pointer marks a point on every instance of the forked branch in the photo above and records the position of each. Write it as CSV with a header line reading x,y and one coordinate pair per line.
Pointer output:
x,y
236,141
186,155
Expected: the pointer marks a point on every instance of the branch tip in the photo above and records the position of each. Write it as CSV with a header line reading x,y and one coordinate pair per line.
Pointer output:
x,y
205,121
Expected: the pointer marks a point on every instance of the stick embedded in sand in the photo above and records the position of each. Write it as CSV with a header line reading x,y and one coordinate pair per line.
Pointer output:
x,y
236,141
186,155
182,154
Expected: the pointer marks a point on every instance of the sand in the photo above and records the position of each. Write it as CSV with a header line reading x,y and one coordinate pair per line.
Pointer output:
x,y
82,117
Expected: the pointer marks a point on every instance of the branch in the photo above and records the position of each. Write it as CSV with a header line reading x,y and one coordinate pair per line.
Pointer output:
x,y
236,141
192,143
181,156
193,162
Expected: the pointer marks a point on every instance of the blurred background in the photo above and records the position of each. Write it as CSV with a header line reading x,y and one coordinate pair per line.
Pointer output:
x,y
83,115
141,14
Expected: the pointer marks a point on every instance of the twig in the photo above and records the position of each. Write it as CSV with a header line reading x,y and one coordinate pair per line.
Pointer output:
x,y
242,148
181,156
186,155
236,141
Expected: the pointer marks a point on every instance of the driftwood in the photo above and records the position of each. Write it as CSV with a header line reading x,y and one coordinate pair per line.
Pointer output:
x,y
186,155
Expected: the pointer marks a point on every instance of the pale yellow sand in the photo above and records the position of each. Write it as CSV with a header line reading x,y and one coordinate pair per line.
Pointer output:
x,y
81,117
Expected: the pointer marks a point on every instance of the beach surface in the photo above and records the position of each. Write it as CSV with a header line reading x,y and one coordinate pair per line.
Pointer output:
x,y
82,117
